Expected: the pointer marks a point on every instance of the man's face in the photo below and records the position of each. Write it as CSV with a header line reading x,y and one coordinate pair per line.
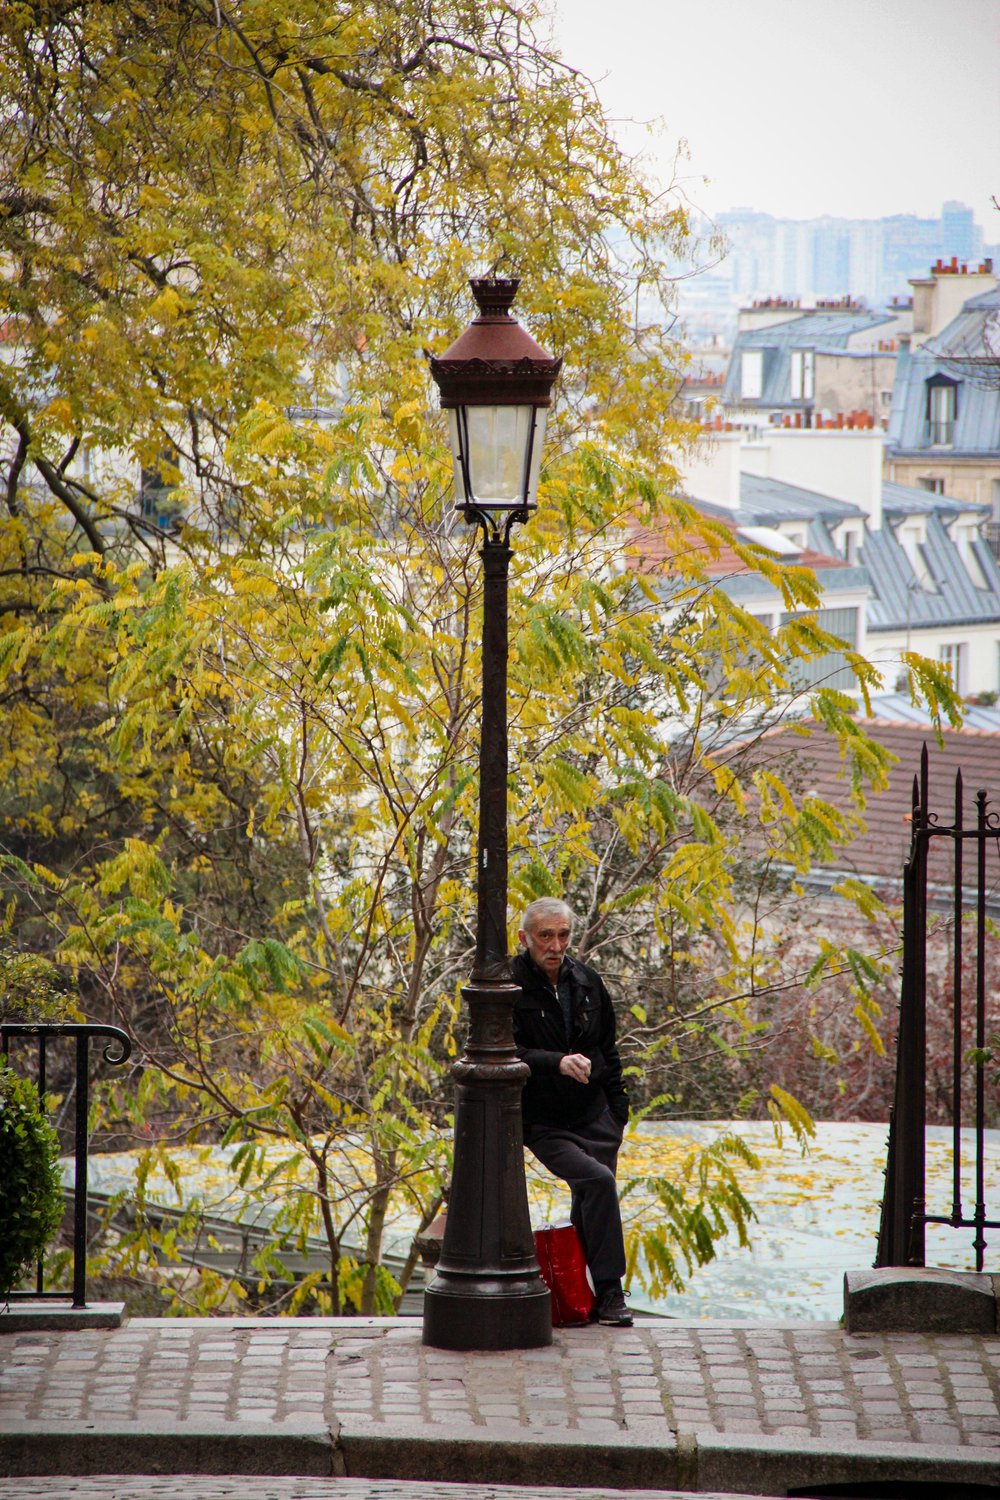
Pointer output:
x,y
546,942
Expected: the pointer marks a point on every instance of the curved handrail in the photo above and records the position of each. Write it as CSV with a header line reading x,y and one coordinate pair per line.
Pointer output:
x,y
75,1028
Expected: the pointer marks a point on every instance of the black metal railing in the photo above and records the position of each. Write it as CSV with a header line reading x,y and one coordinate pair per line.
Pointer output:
x,y
117,1050
973,884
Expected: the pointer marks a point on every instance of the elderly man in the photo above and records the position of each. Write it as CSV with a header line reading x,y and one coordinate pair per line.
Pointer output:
x,y
574,1104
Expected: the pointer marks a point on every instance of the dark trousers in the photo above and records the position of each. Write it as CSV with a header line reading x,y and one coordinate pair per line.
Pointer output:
x,y
585,1158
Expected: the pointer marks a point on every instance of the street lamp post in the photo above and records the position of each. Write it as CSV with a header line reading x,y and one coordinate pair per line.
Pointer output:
x,y
495,384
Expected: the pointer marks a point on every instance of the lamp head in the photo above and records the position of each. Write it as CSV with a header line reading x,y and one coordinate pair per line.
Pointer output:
x,y
496,387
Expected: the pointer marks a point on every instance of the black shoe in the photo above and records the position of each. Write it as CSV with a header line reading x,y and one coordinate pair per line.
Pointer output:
x,y
611,1310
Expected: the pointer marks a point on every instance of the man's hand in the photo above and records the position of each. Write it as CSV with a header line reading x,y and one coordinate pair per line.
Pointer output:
x,y
575,1065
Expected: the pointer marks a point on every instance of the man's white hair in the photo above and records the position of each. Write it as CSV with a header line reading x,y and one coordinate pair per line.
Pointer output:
x,y
545,906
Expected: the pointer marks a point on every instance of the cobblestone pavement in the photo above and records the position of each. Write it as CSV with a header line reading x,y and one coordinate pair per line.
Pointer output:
x,y
202,1487
690,1404
802,1380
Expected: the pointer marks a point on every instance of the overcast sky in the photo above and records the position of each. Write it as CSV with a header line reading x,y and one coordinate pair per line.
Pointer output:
x,y
856,108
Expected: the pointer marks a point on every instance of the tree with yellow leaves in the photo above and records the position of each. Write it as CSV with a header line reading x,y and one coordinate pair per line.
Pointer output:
x,y
239,632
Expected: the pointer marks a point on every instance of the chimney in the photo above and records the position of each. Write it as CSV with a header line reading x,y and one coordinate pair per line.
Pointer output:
x,y
712,472
939,298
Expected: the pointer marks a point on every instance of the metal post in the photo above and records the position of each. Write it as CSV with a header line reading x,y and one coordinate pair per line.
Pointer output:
x,y
488,1292
956,983
81,1147
980,1213
40,1268
901,1235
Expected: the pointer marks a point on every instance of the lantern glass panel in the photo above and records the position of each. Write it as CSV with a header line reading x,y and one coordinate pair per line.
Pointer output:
x,y
497,452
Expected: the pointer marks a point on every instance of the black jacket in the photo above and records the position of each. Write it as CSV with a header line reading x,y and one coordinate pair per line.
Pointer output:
x,y
550,1098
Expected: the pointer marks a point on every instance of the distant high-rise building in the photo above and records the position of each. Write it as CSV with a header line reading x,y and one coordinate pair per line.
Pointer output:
x,y
960,234
868,258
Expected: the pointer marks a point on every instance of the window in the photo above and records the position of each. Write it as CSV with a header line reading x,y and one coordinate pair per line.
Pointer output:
x,y
936,486
831,670
157,487
851,547
942,410
802,375
752,374
952,657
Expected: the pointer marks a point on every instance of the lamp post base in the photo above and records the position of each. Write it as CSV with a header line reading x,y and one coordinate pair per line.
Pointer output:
x,y
462,1312
488,1292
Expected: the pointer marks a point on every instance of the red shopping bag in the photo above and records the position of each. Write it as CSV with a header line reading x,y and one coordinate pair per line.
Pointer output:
x,y
564,1271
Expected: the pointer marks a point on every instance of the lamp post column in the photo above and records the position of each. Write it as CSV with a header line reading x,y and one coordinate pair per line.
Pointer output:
x,y
491,876
488,1293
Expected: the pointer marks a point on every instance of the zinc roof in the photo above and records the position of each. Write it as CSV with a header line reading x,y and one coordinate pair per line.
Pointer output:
x,y
771,500
910,500
898,598
823,332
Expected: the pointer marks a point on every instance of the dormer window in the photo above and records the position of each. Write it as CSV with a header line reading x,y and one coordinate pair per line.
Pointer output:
x,y
912,537
942,411
802,375
965,535
752,374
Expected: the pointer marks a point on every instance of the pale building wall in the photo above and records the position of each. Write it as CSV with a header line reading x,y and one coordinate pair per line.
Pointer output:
x,y
980,652
854,382
974,480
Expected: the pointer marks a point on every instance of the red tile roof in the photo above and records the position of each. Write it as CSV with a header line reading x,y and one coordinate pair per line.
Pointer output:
x,y
651,550
883,849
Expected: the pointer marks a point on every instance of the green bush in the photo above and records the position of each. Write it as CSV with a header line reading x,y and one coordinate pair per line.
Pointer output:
x,y
31,1201
30,989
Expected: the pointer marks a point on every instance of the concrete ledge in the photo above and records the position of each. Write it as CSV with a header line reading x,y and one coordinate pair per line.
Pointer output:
x,y
506,1455
919,1299
784,1465
651,1457
171,1448
27,1316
